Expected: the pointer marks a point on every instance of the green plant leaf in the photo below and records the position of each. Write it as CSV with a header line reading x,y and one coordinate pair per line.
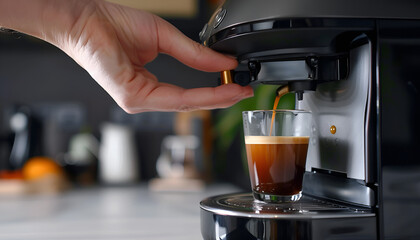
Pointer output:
x,y
288,101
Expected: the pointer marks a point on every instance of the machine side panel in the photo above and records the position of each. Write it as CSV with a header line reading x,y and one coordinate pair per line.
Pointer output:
x,y
341,104
399,149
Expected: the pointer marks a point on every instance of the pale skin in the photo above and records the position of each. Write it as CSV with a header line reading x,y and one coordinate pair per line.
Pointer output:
x,y
113,43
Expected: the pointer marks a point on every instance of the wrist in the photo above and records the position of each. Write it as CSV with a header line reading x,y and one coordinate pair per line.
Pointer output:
x,y
50,20
59,17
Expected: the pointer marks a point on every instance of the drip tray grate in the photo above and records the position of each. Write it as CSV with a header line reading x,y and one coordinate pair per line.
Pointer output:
x,y
307,207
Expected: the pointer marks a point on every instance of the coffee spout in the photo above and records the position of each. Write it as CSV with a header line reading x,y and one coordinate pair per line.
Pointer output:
x,y
283,90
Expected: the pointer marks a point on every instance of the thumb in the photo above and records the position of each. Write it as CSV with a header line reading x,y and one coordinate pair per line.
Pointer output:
x,y
189,52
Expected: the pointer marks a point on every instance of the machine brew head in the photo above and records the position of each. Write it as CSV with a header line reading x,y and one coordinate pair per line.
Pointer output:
x,y
299,74
274,48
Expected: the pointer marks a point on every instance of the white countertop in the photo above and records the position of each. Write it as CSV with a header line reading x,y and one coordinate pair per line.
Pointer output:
x,y
105,213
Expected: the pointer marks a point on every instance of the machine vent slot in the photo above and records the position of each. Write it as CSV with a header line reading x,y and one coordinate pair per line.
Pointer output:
x,y
329,172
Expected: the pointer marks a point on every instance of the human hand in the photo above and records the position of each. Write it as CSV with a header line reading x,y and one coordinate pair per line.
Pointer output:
x,y
113,43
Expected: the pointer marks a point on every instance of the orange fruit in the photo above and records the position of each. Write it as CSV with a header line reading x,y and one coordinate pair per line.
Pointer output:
x,y
39,167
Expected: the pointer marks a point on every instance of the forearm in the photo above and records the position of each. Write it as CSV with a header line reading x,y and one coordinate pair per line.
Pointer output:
x,y
45,19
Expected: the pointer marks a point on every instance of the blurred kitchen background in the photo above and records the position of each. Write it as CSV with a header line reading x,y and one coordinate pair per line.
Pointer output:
x,y
54,113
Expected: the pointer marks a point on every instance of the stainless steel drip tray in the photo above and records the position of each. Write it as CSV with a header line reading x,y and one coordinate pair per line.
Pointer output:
x,y
244,205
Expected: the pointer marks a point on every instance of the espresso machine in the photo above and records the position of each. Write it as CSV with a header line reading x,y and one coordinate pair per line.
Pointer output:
x,y
356,66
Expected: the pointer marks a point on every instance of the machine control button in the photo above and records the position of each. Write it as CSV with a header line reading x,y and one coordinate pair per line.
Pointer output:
x,y
219,17
333,129
226,77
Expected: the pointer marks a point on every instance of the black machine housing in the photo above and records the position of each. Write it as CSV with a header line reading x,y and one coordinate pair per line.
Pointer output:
x,y
310,45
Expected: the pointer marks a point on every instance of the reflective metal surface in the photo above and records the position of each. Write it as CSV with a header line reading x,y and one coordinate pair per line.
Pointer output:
x,y
342,104
238,216
283,70
244,205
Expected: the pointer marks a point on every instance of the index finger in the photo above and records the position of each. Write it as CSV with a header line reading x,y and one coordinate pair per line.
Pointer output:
x,y
168,97
189,52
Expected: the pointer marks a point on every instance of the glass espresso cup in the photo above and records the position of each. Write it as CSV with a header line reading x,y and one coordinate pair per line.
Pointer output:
x,y
276,145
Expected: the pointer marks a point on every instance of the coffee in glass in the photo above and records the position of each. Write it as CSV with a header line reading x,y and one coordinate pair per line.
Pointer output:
x,y
277,144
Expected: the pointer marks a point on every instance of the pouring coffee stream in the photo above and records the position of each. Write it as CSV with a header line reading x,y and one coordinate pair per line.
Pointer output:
x,y
281,91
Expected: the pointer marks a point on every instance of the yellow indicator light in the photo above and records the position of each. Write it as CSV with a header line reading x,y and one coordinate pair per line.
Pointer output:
x,y
333,129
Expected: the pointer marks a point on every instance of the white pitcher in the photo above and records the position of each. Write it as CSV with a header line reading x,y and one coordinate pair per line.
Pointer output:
x,y
118,158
